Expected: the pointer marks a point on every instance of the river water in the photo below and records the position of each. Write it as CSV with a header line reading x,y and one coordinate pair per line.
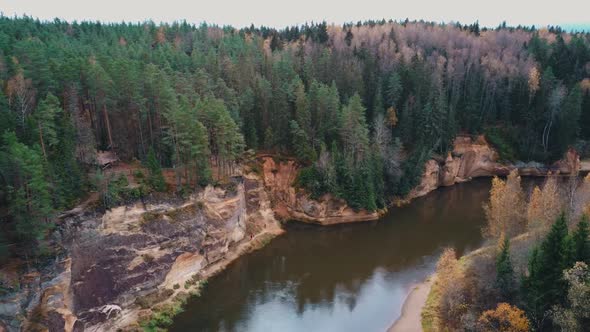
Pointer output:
x,y
343,278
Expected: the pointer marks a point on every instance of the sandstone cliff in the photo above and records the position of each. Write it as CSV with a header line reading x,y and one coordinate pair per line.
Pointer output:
x,y
290,203
117,265
475,157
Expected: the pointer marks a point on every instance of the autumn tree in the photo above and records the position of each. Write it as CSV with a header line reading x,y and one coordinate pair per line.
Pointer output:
x,y
505,318
544,206
505,212
581,199
450,284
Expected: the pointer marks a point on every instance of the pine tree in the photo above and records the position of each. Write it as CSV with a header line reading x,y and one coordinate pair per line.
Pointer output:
x,y
545,287
569,120
504,271
353,131
156,178
46,115
30,200
393,89
581,241
187,137
303,150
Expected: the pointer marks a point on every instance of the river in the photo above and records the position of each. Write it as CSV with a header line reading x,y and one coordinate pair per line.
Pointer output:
x,y
341,278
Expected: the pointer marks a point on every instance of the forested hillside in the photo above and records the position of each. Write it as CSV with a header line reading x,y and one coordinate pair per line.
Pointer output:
x,y
361,105
533,273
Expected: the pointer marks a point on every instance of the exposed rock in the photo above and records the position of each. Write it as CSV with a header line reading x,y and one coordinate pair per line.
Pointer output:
x,y
475,157
126,256
290,203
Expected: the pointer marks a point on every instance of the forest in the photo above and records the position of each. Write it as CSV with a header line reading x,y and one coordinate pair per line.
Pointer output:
x,y
361,106
533,276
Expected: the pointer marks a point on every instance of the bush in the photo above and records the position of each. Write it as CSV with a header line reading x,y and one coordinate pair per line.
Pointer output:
x,y
162,317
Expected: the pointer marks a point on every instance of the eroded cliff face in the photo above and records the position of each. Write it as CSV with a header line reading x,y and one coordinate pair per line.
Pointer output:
x,y
290,203
117,265
475,157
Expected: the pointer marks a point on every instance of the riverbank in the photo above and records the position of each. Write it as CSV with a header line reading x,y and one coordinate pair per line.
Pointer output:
x,y
411,318
141,318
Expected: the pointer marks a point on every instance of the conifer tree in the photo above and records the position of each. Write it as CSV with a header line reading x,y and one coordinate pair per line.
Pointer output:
x,y
504,271
30,200
545,286
581,241
156,178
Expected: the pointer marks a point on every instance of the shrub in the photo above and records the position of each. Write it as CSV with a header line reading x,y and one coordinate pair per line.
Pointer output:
x,y
162,317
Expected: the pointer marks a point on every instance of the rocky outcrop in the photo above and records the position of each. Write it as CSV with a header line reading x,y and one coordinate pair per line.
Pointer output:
x,y
114,263
475,157
291,203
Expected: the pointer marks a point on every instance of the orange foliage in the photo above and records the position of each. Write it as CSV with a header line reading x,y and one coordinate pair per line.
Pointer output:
x,y
504,318
505,211
544,206
160,35
581,201
455,291
534,79
391,117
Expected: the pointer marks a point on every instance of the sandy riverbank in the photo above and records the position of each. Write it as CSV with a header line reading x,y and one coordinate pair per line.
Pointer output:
x,y
410,319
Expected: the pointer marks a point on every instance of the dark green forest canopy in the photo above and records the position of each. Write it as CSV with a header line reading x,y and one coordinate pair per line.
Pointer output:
x,y
345,100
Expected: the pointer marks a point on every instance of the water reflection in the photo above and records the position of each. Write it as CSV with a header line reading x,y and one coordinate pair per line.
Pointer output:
x,y
345,278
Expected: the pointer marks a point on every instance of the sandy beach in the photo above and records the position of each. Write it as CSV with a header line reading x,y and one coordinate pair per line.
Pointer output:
x,y
410,319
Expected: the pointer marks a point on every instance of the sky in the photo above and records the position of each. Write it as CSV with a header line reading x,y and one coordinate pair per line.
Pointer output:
x,y
294,12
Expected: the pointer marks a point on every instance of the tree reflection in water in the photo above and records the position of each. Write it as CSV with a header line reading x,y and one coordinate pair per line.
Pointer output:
x,y
340,278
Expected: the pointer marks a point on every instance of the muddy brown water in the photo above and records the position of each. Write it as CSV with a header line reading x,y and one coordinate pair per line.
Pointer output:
x,y
342,278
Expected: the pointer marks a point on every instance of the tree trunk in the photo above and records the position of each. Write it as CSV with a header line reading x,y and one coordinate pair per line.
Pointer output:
x,y
141,134
42,143
108,124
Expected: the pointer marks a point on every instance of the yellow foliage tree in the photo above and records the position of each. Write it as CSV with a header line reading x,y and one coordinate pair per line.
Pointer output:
x,y
453,289
505,318
534,80
391,117
505,211
581,201
544,206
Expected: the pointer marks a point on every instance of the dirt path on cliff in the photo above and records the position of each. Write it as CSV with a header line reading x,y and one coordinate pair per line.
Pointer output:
x,y
410,319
